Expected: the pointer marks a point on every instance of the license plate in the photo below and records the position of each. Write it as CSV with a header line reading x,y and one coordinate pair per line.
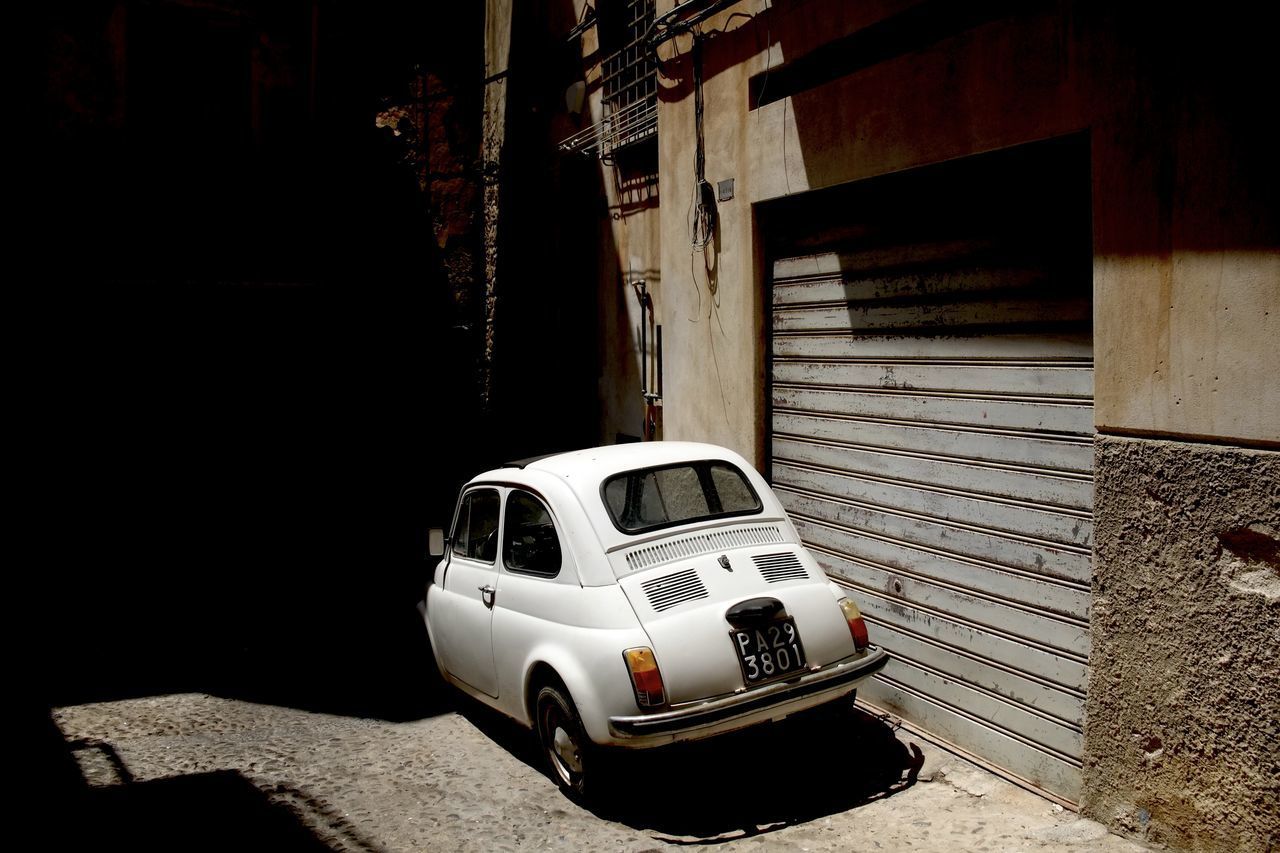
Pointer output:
x,y
769,651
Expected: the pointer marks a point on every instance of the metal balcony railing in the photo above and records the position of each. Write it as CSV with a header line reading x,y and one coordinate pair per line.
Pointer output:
x,y
624,127
630,83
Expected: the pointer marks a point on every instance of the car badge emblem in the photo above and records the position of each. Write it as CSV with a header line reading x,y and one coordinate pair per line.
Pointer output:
x,y
724,563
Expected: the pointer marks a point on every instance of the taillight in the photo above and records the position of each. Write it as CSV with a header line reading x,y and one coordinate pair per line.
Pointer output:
x,y
645,677
857,628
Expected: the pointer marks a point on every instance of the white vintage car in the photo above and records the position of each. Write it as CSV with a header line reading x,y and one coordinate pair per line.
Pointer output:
x,y
633,596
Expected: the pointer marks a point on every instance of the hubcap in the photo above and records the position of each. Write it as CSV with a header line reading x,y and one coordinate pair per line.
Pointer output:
x,y
563,750
566,750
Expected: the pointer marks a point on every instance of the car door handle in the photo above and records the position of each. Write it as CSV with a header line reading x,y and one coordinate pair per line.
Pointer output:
x,y
486,595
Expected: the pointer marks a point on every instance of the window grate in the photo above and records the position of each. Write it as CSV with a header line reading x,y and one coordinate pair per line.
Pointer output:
x,y
630,81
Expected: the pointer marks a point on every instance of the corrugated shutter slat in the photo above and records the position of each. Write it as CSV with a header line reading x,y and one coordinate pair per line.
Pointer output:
x,y
931,436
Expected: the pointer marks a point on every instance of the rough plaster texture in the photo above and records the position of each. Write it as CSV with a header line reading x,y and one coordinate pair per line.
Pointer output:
x,y
1013,78
1182,733
1186,273
1187,252
497,52
629,239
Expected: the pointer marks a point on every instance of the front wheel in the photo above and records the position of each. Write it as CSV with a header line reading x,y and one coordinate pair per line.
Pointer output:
x,y
569,753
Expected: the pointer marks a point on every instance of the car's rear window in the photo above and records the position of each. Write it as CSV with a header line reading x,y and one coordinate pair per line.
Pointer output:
x,y
651,498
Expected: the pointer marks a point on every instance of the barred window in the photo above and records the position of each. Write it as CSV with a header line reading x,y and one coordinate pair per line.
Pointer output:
x,y
630,75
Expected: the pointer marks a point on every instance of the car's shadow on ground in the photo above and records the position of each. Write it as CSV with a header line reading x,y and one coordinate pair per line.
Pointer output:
x,y
806,767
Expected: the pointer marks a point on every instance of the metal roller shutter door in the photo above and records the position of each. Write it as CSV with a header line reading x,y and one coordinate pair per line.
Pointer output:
x,y
931,436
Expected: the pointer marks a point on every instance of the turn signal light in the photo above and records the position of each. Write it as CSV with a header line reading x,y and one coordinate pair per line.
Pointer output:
x,y
645,677
857,628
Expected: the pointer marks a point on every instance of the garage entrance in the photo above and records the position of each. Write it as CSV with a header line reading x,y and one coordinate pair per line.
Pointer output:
x,y
931,433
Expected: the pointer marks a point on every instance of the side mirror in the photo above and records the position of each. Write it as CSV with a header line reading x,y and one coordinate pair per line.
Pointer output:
x,y
435,542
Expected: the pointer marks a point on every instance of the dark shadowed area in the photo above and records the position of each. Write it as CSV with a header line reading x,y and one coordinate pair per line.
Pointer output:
x,y
249,307
252,344
245,339
809,766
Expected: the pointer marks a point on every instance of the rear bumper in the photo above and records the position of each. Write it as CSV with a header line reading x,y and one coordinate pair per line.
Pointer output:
x,y
743,709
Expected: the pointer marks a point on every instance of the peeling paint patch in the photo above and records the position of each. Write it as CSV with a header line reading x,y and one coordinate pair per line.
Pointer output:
x,y
1251,564
1263,582
1255,543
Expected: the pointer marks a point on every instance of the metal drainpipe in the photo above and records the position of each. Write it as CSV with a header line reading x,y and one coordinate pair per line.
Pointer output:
x,y
649,428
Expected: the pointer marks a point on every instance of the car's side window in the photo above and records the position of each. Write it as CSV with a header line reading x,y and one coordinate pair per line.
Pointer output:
x,y
458,541
530,543
475,533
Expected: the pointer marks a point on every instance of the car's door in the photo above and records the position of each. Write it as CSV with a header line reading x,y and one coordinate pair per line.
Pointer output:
x,y
535,589
470,585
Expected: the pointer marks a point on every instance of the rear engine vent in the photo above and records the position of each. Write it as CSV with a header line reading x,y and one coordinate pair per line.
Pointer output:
x,y
776,568
669,590
717,541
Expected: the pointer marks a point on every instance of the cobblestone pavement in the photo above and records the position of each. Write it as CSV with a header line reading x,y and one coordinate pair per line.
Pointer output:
x,y
193,770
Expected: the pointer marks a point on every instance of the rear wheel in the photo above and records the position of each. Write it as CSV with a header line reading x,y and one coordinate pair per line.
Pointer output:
x,y
569,753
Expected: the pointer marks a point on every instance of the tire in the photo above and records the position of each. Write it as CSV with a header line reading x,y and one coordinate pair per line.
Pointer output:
x,y
571,758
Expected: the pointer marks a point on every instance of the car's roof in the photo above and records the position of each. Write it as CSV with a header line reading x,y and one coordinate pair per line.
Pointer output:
x,y
585,470
597,463
582,472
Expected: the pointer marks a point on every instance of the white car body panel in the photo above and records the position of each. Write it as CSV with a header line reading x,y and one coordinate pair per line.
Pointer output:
x,y
467,616
692,641
586,653
578,623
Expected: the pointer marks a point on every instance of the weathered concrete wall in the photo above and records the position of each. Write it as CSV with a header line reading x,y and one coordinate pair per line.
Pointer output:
x,y
628,235
1182,733
1186,296
497,56
1000,84
1187,250
543,214
1186,232
632,240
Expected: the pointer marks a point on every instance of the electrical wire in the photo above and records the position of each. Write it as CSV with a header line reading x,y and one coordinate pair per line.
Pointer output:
x,y
702,231
667,26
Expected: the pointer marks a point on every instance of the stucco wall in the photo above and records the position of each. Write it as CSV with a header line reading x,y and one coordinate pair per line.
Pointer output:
x,y
1187,250
629,236
999,84
1186,292
1182,732
1186,233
